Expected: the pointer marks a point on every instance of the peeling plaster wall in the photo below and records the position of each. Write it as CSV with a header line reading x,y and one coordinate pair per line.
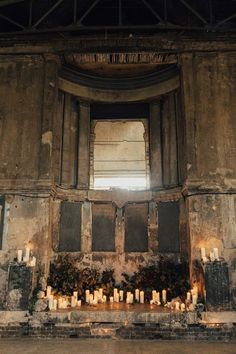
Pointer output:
x,y
27,223
209,84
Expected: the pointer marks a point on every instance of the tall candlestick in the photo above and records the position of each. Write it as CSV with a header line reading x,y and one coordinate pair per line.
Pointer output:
x,y
141,296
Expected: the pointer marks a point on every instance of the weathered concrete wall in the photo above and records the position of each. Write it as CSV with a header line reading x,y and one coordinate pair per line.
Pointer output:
x,y
27,95
26,224
209,83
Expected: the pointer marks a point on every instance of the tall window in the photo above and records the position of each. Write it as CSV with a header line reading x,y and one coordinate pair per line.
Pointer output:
x,y
119,156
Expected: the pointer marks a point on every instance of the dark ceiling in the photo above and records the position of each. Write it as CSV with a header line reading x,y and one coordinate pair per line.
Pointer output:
x,y
93,16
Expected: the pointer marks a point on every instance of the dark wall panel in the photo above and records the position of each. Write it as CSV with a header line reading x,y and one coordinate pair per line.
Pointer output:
x,y
70,227
103,227
136,228
168,227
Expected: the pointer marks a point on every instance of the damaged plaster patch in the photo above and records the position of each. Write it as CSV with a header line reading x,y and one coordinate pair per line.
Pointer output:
x,y
47,139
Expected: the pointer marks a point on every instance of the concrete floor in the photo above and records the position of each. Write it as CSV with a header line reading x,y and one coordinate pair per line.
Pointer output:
x,y
72,346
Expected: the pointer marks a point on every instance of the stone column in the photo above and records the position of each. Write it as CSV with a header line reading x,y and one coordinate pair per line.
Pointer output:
x,y
83,146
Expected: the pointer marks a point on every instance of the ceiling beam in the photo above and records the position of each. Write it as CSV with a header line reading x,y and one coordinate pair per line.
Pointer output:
x,y
225,20
9,2
47,13
79,22
196,13
152,10
12,21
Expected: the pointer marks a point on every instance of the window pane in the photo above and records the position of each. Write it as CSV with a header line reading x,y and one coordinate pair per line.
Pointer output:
x,y
119,158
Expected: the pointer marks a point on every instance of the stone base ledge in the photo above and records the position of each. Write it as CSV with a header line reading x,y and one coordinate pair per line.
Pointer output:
x,y
125,317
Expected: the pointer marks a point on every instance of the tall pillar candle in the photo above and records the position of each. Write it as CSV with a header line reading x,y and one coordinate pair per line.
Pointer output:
x,y
50,302
141,296
164,296
121,293
27,254
203,253
87,294
75,294
48,291
19,256
137,295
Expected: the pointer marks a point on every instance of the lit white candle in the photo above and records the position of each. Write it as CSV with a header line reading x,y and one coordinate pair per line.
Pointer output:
x,y
90,299
27,254
33,262
194,297
55,304
75,294
154,295
115,291
212,256
100,293
104,299
111,299
19,256
182,307
79,303
73,301
87,294
117,297
60,301
96,295
158,297
203,253
164,296
216,253
177,305
141,296
131,298
50,302
188,296
48,291
127,297
137,293
121,293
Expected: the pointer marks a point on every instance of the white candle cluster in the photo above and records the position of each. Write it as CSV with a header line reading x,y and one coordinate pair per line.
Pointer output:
x,y
213,256
61,302
26,257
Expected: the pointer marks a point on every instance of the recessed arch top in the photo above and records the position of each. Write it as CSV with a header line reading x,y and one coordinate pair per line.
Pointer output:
x,y
94,87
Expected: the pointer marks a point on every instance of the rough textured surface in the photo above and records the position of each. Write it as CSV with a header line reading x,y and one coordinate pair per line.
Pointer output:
x,y
31,135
